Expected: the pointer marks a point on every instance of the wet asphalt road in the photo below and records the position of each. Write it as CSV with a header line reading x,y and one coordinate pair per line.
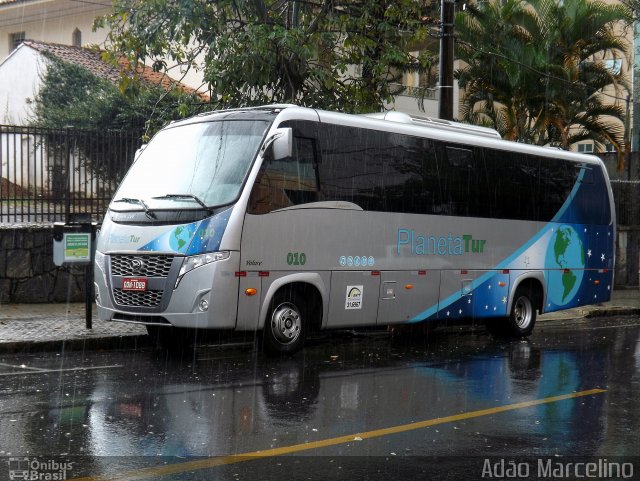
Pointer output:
x,y
363,407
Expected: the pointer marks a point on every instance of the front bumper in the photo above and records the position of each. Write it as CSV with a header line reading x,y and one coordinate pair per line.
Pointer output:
x,y
213,284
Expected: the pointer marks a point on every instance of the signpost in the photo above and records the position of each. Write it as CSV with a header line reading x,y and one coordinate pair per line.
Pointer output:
x,y
73,244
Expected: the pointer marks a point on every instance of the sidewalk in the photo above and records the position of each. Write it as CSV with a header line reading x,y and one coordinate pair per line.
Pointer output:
x,y
624,302
39,327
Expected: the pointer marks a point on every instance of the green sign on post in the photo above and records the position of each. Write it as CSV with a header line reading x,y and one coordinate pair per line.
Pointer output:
x,y
77,247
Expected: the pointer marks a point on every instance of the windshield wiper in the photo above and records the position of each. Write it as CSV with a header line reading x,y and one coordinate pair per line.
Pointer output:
x,y
186,196
131,200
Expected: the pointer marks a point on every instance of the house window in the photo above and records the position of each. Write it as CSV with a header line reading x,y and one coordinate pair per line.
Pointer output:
x,y
15,39
585,148
609,148
76,38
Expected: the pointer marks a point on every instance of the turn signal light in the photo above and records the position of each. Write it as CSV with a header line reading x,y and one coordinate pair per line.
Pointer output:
x,y
250,291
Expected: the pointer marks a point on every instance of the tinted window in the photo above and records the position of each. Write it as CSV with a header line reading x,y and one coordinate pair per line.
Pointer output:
x,y
286,182
513,185
592,200
411,181
557,179
379,171
352,165
389,172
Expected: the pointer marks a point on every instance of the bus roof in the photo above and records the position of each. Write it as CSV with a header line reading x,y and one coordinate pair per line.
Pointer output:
x,y
398,122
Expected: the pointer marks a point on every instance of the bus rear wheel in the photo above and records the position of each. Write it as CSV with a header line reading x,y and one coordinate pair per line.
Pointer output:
x,y
523,313
285,327
521,319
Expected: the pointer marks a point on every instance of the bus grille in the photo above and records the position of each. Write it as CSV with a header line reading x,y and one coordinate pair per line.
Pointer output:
x,y
137,298
141,265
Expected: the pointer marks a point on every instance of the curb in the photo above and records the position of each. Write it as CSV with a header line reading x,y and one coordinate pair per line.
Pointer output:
x,y
593,313
613,311
132,341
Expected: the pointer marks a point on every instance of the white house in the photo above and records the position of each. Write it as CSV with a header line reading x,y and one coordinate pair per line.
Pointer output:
x,y
65,22
21,74
19,77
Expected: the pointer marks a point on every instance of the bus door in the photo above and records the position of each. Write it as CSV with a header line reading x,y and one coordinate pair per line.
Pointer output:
x,y
404,294
354,298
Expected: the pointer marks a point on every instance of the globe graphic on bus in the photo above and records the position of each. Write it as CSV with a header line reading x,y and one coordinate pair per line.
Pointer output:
x,y
181,237
565,251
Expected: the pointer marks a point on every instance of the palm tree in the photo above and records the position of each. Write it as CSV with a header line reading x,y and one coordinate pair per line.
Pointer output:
x,y
534,70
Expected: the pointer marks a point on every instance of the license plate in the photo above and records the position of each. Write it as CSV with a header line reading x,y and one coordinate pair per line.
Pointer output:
x,y
134,284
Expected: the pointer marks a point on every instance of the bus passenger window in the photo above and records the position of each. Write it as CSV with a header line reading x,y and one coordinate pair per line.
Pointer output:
x,y
286,182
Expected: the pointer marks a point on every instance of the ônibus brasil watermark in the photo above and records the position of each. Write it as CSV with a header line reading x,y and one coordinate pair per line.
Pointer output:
x,y
38,469
553,468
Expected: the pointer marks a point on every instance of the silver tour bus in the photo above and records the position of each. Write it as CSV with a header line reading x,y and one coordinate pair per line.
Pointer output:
x,y
288,220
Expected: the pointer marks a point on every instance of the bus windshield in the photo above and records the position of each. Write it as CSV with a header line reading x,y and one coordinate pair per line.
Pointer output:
x,y
203,164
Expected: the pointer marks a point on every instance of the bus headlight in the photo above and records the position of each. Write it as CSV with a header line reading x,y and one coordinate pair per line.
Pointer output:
x,y
193,262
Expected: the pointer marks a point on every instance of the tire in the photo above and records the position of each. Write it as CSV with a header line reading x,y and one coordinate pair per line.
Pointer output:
x,y
285,327
522,318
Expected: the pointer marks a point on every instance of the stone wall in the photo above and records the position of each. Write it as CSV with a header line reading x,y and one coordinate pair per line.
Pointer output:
x,y
27,271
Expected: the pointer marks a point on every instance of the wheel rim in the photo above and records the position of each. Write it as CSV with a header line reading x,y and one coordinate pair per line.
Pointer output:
x,y
286,323
523,312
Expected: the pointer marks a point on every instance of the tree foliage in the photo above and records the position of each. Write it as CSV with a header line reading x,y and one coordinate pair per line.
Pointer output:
x,y
72,96
535,70
95,113
347,55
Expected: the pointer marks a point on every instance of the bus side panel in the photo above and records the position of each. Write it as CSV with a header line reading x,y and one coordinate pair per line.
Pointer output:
x,y
249,302
579,266
271,284
476,294
403,293
353,299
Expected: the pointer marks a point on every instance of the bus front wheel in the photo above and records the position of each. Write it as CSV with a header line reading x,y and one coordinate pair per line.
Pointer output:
x,y
285,330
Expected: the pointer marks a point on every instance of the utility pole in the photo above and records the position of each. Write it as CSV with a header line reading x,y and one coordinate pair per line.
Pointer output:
x,y
446,61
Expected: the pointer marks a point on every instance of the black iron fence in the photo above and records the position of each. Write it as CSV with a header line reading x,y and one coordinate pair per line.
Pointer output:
x,y
47,174
626,195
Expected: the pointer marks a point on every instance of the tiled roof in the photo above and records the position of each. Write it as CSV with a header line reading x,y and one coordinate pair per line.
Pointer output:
x,y
92,61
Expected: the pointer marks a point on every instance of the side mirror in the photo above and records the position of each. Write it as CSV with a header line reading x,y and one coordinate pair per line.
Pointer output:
x,y
282,143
